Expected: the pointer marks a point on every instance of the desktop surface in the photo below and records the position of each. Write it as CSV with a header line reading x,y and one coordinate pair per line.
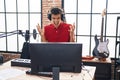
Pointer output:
x,y
63,75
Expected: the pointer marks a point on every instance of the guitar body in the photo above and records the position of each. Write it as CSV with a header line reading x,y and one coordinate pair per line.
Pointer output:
x,y
95,51
101,49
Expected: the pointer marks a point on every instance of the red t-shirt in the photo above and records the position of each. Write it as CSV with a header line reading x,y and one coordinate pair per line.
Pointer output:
x,y
60,34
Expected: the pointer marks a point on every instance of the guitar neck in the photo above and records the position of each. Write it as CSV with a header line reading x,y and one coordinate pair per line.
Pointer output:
x,y
101,37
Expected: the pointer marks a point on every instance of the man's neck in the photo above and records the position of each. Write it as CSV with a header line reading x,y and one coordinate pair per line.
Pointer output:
x,y
56,26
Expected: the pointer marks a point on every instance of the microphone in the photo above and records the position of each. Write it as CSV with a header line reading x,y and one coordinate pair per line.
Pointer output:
x,y
27,35
34,33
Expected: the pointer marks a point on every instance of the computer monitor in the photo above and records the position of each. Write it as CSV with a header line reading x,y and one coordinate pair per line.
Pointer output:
x,y
45,56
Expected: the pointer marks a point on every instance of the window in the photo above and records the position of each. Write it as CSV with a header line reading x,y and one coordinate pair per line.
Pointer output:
x,y
87,17
86,14
17,15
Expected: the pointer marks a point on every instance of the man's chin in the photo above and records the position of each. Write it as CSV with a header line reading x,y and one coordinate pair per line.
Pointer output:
x,y
56,24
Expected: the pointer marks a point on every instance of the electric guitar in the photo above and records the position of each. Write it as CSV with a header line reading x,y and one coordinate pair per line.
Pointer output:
x,y
101,49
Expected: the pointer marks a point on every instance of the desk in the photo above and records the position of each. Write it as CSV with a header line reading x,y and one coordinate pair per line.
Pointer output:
x,y
87,73
103,68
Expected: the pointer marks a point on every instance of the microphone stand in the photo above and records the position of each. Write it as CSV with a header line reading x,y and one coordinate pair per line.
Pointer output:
x,y
25,50
10,33
5,35
25,45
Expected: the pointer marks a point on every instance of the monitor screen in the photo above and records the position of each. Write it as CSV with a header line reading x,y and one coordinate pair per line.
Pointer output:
x,y
45,56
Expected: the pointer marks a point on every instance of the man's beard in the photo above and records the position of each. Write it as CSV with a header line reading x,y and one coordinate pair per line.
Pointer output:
x,y
56,23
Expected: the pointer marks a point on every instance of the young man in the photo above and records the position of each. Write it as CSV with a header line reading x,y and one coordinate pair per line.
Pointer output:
x,y
58,30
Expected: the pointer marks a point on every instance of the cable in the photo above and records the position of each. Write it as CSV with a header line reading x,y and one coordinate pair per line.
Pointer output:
x,y
83,68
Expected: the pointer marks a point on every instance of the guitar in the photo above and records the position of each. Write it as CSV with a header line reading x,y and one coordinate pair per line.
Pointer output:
x,y
101,49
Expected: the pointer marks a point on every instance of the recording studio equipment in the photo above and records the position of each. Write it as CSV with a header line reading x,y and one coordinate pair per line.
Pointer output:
x,y
56,10
25,50
21,62
117,43
21,33
55,57
5,34
45,74
34,33
27,35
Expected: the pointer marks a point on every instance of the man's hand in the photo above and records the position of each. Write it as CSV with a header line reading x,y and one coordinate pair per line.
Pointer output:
x,y
41,31
72,35
72,28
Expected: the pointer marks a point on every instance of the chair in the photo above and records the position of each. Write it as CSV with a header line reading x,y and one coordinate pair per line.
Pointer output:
x,y
117,58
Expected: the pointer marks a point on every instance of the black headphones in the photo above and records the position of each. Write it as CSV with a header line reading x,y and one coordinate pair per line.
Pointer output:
x,y
55,11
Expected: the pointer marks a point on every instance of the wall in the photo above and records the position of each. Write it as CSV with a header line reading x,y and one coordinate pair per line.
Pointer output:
x,y
46,5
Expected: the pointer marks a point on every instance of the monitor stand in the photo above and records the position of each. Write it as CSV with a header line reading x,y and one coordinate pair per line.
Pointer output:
x,y
54,73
